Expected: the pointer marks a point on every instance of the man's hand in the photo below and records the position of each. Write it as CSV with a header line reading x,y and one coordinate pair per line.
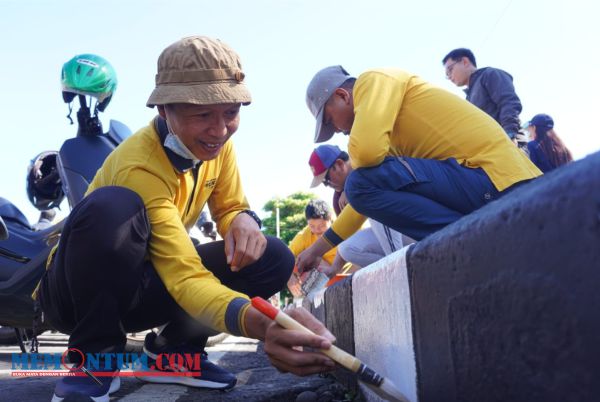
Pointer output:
x,y
307,260
311,257
329,270
244,242
285,347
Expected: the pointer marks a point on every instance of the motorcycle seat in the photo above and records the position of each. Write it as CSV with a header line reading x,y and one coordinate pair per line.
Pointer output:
x,y
9,211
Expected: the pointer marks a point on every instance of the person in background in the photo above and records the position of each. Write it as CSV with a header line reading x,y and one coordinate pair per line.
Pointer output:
x,y
545,148
318,217
488,88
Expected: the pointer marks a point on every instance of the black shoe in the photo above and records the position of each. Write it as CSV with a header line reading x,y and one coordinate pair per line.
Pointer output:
x,y
209,374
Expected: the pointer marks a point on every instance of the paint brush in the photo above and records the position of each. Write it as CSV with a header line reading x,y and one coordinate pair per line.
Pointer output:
x,y
379,384
89,374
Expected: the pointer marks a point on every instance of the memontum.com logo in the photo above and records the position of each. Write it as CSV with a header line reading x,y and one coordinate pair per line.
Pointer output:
x,y
105,364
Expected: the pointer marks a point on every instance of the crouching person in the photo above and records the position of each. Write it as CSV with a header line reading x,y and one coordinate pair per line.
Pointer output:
x,y
318,217
422,157
331,167
125,261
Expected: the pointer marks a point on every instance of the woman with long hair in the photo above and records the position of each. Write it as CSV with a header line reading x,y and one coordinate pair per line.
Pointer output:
x,y
546,149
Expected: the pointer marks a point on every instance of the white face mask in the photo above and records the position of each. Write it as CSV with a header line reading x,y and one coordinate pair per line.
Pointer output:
x,y
174,143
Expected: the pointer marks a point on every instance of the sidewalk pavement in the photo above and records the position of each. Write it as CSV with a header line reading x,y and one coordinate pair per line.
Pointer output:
x,y
257,379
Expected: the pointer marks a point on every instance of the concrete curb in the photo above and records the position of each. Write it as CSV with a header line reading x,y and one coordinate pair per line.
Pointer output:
x,y
501,305
383,322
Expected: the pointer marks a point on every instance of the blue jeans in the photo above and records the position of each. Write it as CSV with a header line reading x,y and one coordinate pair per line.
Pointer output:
x,y
418,196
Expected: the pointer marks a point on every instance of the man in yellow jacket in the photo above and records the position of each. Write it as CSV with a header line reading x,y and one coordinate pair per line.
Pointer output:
x,y
422,157
125,261
318,216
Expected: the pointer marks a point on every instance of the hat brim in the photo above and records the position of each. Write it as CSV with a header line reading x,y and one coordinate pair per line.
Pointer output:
x,y
318,179
323,132
200,94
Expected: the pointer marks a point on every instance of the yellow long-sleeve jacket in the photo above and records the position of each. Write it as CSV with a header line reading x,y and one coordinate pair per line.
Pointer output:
x,y
174,198
398,114
304,239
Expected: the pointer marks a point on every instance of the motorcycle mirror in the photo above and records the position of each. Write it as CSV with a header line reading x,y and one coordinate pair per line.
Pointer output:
x,y
3,230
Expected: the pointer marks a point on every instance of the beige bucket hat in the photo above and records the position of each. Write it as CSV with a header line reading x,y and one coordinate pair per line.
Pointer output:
x,y
199,70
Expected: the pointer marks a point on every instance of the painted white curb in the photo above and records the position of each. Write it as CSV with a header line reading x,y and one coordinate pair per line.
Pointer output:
x,y
383,336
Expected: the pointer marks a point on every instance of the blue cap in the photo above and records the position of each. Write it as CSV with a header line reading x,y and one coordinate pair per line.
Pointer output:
x,y
320,89
542,121
321,159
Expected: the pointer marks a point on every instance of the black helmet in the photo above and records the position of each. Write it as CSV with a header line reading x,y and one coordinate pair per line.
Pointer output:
x,y
44,187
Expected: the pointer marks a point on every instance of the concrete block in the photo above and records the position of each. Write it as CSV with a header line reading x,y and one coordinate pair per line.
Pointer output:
x,y
505,301
315,304
339,315
306,303
317,301
383,322
340,321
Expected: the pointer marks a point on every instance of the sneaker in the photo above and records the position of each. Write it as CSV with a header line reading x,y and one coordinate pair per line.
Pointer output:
x,y
210,376
85,386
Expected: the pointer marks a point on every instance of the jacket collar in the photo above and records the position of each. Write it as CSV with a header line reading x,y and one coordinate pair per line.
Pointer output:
x,y
180,163
474,77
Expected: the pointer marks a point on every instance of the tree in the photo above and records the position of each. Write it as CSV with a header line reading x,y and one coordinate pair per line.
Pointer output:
x,y
291,221
291,215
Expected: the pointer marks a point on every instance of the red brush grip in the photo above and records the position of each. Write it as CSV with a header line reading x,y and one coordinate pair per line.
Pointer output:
x,y
264,307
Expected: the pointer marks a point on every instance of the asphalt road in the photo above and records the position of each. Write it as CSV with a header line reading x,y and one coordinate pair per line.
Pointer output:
x,y
257,379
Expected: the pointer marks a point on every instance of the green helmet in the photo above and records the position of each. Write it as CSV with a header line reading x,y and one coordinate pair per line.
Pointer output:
x,y
89,74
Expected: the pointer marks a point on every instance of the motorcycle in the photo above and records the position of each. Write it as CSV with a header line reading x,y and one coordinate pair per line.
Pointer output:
x,y
24,248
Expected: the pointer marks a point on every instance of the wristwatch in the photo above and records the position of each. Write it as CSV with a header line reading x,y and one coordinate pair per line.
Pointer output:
x,y
254,216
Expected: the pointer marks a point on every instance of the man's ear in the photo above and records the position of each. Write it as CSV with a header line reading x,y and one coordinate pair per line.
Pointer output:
x,y
161,111
344,94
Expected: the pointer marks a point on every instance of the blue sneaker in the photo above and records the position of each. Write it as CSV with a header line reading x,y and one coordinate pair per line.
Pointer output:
x,y
210,375
85,386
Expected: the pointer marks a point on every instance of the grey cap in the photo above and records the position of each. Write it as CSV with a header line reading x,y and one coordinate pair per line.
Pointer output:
x,y
320,89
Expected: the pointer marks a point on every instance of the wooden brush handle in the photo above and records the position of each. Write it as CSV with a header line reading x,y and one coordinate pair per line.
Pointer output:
x,y
345,359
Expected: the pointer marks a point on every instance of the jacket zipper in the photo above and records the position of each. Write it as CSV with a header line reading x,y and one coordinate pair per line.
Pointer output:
x,y
195,173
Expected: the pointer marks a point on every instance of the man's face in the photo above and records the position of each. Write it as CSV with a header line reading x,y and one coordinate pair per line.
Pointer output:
x,y
318,226
337,174
339,111
204,129
457,71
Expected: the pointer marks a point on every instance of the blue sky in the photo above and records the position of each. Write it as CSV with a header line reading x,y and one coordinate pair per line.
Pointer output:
x,y
550,47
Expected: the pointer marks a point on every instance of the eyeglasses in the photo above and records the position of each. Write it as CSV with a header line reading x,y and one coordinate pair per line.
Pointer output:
x,y
450,67
327,179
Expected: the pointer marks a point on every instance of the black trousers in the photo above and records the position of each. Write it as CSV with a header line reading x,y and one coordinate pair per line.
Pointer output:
x,y
100,286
